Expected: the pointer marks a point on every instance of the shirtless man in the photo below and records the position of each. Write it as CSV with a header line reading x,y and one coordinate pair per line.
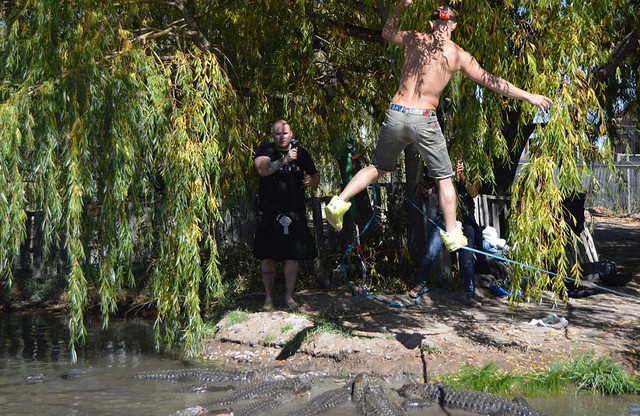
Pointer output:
x,y
430,60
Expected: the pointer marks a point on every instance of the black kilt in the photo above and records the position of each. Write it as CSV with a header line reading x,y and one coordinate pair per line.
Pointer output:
x,y
271,242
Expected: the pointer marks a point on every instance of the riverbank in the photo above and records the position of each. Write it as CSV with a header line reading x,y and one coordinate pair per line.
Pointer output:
x,y
370,335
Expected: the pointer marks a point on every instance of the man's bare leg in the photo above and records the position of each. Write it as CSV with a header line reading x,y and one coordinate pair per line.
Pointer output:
x,y
447,200
268,278
291,270
360,181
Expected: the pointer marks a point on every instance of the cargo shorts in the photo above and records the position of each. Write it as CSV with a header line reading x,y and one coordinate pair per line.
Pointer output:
x,y
404,125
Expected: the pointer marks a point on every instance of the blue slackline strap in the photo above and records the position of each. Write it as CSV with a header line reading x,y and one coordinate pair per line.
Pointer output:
x,y
484,253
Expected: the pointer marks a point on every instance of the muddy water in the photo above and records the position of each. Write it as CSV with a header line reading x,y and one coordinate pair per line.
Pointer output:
x,y
103,382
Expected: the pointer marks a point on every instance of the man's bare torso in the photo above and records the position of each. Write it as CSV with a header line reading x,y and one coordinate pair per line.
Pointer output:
x,y
429,64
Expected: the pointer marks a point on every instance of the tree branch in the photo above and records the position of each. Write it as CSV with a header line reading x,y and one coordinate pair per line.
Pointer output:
x,y
382,8
357,32
627,46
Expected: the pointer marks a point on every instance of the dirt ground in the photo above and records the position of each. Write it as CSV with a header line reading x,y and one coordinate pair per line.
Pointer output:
x,y
388,338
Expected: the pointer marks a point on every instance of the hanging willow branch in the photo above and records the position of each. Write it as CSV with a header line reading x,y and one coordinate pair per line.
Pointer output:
x,y
133,122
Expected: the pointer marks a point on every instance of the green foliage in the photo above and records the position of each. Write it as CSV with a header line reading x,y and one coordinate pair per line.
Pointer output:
x,y
487,379
431,348
130,126
599,375
491,380
527,43
234,317
327,328
584,372
268,339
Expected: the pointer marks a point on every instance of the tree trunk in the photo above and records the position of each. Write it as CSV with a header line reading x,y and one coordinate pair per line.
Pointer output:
x,y
505,171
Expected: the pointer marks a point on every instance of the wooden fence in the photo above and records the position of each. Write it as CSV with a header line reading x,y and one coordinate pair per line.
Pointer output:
x,y
238,223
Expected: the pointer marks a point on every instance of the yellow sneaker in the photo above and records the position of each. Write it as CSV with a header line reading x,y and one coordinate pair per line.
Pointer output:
x,y
455,239
335,210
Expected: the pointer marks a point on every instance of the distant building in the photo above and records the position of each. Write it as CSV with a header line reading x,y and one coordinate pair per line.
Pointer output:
x,y
628,140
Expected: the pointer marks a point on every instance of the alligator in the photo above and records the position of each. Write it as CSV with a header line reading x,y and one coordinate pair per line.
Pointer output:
x,y
262,389
633,410
262,406
204,375
201,411
35,378
472,401
41,378
371,396
206,388
326,401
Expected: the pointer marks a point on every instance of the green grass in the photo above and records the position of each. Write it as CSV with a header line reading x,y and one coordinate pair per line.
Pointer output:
x,y
209,329
268,339
234,317
286,328
431,348
327,328
600,375
583,372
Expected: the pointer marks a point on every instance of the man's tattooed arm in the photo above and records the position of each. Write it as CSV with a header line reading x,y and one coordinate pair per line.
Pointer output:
x,y
276,164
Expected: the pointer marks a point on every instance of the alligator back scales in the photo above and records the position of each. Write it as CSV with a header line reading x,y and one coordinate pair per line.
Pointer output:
x,y
371,396
263,389
467,400
204,375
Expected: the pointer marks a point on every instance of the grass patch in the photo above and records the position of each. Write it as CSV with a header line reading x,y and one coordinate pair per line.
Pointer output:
x,y
286,328
431,348
268,339
209,329
327,328
599,375
584,372
234,317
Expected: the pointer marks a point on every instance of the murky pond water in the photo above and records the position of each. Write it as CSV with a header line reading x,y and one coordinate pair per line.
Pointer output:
x,y
103,381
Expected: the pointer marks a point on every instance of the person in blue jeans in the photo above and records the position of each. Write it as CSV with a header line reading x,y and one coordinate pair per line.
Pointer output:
x,y
467,192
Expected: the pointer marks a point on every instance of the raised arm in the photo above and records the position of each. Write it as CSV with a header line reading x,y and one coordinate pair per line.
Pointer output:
x,y
390,31
470,66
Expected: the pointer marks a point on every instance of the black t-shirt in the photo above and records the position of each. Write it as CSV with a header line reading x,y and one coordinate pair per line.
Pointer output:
x,y
284,191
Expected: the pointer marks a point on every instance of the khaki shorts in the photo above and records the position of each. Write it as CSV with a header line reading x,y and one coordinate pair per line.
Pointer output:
x,y
401,128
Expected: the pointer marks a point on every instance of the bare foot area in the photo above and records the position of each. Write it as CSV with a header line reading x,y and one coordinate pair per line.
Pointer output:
x,y
386,339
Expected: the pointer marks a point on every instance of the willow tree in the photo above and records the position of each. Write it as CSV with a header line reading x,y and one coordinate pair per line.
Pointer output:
x,y
128,123
122,149
553,48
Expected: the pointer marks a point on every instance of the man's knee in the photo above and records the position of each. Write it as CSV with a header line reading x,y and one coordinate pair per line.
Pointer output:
x,y
268,267
446,188
380,173
376,172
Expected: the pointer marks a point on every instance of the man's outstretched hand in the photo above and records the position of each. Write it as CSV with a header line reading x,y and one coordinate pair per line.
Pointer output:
x,y
540,101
